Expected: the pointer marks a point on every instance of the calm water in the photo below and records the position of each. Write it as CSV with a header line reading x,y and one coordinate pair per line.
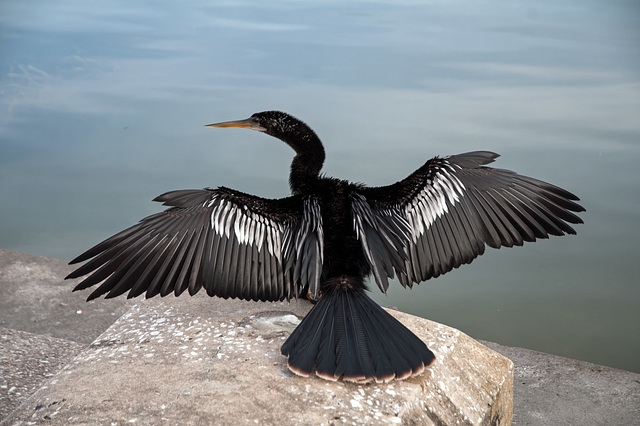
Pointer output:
x,y
102,106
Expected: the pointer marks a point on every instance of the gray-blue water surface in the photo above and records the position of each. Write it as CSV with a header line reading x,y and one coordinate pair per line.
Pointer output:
x,y
102,107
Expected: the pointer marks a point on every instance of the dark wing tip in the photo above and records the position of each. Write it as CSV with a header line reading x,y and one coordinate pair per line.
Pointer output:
x,y
184,197
474,159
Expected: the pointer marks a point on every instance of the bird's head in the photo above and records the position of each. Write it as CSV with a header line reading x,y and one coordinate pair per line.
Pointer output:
x,y
274,123
309,150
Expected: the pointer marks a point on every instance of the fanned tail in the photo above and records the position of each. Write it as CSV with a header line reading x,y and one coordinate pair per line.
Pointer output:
x,y
347,335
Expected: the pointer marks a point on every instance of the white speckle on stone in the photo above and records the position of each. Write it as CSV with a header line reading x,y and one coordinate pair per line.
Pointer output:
x,y
356,404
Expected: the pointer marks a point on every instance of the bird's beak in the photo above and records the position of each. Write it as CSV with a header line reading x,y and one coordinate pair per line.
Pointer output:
x,y
245,124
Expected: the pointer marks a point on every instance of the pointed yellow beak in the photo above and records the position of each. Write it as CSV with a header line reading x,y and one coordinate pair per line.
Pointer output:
x,y
245,124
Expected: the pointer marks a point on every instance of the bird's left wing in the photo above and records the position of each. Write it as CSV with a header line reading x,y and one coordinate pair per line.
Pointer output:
x,y
443,214
233,244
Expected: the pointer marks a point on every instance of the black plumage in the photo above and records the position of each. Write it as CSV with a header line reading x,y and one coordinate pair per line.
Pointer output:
x,y
322,242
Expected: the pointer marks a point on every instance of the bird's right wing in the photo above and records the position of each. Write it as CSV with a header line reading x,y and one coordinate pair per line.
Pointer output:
x,y
443,214
233,244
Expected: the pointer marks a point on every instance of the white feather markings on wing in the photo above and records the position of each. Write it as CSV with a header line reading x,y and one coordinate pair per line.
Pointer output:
x,y
230,220
252,228
431,203
239,229
222,218
319,230
215,215
248,227
278,241
312,220
271,230
432,200
260,228
453,183
286,241
361,215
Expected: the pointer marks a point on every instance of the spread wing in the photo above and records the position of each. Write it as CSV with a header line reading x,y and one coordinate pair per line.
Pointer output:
x,y
233,244
443,214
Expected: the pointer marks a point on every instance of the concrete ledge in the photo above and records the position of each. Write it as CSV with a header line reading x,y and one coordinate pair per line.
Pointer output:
x,y
201,360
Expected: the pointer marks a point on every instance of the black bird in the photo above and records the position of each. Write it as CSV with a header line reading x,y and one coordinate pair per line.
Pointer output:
x,y
324,240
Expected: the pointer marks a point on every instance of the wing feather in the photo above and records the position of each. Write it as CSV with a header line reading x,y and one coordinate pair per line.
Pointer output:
x,y
232,244
444,214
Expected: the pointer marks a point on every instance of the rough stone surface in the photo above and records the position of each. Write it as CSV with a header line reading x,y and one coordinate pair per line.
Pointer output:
x,y
552,390
548,390
206,360
34,297
27,361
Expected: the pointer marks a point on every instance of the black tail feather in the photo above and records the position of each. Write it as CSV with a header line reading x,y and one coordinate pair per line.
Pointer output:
x,y
347,335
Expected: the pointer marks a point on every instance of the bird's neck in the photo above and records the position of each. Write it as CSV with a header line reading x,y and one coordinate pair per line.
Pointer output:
x,y
306,165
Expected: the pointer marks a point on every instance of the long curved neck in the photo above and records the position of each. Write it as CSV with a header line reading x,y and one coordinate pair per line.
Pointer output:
x,y
306,165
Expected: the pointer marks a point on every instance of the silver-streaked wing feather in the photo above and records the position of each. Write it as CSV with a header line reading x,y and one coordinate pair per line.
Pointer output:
x,y
443,214
232,244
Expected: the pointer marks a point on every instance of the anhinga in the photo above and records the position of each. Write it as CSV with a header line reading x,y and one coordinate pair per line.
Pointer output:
x,y
324,240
